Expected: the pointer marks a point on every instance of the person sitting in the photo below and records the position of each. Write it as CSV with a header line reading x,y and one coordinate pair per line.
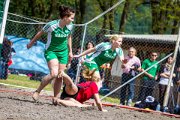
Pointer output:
x,y
75,95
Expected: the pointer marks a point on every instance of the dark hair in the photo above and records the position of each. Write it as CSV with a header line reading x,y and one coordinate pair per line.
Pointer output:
x,y
65,11
168,58
106,39
7,41
88,43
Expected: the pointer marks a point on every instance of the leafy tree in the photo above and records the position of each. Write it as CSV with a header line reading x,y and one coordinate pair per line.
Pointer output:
x,y
134,16
108,22
124,15
1,9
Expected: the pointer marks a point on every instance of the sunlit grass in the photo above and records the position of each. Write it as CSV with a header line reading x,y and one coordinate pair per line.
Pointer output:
x,y
111,100
23,81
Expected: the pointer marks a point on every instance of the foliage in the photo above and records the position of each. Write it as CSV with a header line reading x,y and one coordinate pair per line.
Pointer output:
x,y
1,9
139,20
132,17
166,16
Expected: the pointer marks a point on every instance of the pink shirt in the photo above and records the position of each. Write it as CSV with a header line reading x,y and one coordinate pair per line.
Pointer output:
x,y
131,62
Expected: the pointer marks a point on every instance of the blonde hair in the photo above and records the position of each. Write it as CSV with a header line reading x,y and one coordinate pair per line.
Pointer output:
x,y
115,37
90,75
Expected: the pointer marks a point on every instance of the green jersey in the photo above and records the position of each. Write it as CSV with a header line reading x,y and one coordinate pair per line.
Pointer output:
x,y
153,71
57,37
104,54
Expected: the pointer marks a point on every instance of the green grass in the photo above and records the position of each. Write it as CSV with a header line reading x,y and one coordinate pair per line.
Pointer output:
x,y
26,82
23,81
111,100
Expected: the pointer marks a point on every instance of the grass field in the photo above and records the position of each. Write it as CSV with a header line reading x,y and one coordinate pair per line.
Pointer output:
x,y
24,81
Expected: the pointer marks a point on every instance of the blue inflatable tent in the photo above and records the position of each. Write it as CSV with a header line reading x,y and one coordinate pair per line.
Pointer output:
x,y
28,59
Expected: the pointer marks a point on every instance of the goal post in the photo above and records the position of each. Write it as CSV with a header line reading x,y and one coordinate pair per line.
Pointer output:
x,y
4,5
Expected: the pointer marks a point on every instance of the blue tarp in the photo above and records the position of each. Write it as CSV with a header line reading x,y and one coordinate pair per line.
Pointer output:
x,y
28,59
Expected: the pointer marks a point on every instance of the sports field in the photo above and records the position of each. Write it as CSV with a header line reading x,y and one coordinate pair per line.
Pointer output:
x,y
17,104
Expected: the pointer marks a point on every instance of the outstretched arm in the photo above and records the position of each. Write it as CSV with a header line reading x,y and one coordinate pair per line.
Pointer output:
x,y
85,52
98,102
37,36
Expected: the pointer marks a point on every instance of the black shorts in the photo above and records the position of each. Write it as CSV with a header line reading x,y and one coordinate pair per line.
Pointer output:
x,y
65,95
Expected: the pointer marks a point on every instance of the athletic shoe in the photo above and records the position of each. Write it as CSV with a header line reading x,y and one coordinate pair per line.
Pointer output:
x,y
129,102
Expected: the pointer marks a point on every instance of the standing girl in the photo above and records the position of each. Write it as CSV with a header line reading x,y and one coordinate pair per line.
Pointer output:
x,y
58,48
164,79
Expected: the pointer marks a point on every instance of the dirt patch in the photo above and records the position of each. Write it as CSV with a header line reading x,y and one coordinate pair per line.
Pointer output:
x,y
17,104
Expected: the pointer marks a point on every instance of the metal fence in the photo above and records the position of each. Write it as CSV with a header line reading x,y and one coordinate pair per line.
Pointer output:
x,y
19,28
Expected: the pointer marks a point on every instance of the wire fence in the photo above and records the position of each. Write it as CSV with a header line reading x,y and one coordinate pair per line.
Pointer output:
x,y
19,30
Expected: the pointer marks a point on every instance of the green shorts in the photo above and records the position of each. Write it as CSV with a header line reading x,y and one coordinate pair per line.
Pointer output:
x,y
61,56
91,66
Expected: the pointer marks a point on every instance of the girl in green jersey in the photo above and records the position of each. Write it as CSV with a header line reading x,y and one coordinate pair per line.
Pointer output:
x,y
58,48
104,52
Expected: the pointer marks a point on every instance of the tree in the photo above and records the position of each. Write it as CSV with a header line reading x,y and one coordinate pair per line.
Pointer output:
x,y
80,10
165,14
124,16
108,22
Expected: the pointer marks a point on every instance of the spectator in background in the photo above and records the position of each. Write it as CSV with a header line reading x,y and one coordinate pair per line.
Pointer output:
x,y
72,71
89,45
164,79
6,54
148,81
130,66
177,107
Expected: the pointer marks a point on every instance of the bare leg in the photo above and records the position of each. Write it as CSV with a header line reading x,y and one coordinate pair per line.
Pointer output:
x,y
53,66
57,87
70,102
178,100
58,81
45,81
70,88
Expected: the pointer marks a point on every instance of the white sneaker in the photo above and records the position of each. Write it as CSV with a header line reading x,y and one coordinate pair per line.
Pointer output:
x,y
129,102
138,102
